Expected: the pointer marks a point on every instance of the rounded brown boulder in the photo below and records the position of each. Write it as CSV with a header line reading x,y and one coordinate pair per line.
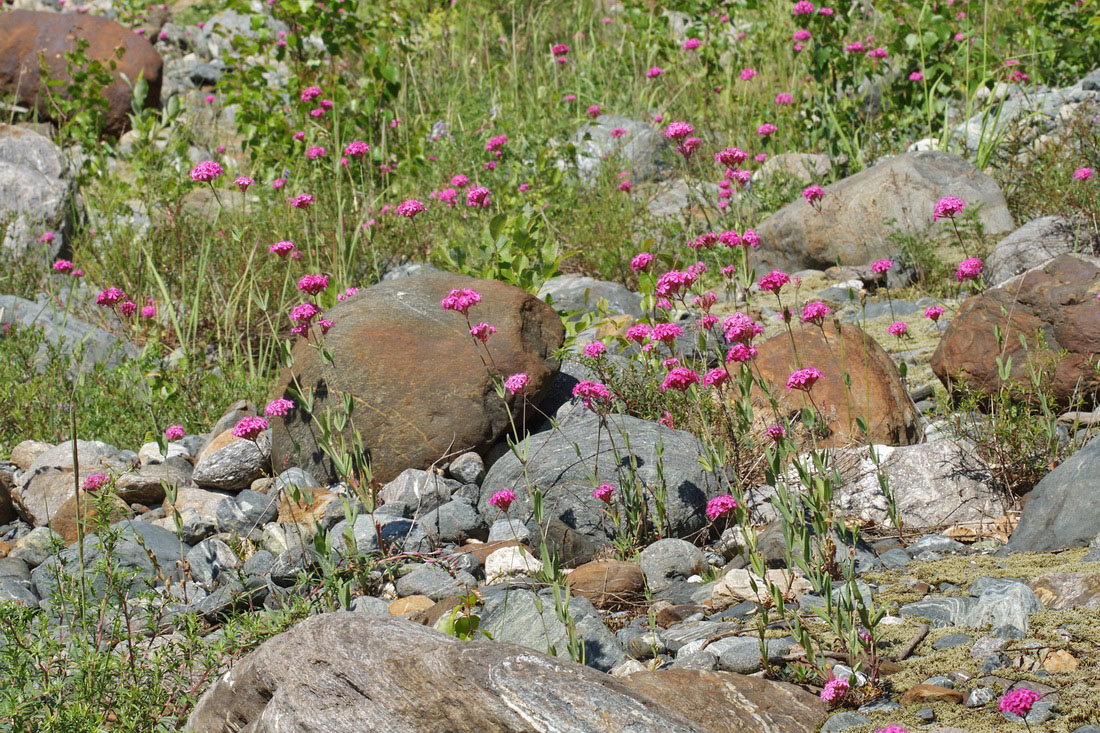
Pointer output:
x,y
25,35
420,386
875,394
1055,310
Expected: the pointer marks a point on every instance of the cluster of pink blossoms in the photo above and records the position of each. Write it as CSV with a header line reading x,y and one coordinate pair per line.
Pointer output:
x,y
65,267
1019,702
933,312
516,383
603,492
356,149
803,379
679,378
592,393
95,481
898,328
641,261
502,499
880,266
409,208
206,171
249,427
281,248
969,269
482,331
313,284
478,197
461,300
813,194
279,408
774,281
947,208
835,690
815,312
720,505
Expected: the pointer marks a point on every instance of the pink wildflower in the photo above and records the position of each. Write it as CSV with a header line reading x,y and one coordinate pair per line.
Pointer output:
x,y
716,377
916,76
815,312
461,299
127,308
302,201
313,284
784,98
739,327
638,333
898,328
947,207
594,349
304,313
516,382
692,43
482,331
747,74
315,151
813,194
740,353
409,208
666,333
678,130
679,378
766,129
933,312
773,281
279,408
835,690
310,93
731,156
593,111
503,499
603,492
720,505
62,266
880,266
1019,701
776,432
803,379
969,269
46,238
654,72
281,248
243,182
249,428
95,481
356,149
1082,174
590,392
109,296
641,261
174,432
478,197
459,181
206,171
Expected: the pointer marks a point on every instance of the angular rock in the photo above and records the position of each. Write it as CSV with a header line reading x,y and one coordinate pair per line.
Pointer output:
x,y
396,532
1057,300
468,468
508,562
146,485
420,491
741,654
564,480
1063,510
36,192
435,582
513,615
670,559
151,552
65,521
1058,591
610,584
644,152
859,213
877,393
230,463
941,482
1006,608
245,512
1035,244
26,34
455,521
940,611
415,375
931,693
35,547
582,293
732,702
334,671
802,167
209,559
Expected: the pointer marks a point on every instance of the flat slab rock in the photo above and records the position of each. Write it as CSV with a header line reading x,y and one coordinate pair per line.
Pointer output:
x,y
352,672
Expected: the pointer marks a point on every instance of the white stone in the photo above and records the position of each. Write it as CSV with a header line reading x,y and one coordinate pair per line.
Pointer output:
x,y
510,561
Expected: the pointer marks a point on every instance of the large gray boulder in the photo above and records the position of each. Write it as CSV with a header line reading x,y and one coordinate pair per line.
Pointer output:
x,y
643,150
350,671
1063,510
1035,244
855,219
36,192
554,467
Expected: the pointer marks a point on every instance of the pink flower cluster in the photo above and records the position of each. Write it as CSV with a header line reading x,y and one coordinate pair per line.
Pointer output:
x,y
249,427
461,300
603,492
835,690
206,171
815,312
947,208
720,505
95,481
969,269
679,378
1019,701
482,331
174,432
279,408
592,392
409,208
803,379
516,383
313,284
678,130
503,499
773,281
641,261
